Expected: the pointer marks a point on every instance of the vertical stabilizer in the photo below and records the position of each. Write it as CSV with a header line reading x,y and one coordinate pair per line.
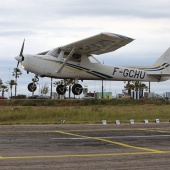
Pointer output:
x,y
164,59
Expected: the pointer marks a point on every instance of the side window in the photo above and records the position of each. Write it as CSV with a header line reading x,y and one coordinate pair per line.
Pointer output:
x,y
75,57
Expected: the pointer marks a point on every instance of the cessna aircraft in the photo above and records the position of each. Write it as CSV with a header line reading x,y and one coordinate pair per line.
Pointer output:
x,y
75,62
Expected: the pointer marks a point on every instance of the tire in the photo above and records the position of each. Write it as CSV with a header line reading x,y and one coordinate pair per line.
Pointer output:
x,y
32,87
77,89
61,89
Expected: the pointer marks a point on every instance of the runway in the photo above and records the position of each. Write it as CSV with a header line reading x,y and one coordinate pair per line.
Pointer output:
x,y
64,146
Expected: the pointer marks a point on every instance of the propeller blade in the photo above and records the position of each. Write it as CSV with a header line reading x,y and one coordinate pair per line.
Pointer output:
x,y
17,64
21,52
20,58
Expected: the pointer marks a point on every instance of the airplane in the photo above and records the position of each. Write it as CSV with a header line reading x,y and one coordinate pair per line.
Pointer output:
x,y
75,62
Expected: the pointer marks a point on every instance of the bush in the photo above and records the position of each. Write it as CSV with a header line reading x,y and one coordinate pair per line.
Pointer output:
x,y
20,96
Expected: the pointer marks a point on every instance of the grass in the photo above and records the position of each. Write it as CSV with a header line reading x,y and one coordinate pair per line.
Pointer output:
x,y
74,102
83,114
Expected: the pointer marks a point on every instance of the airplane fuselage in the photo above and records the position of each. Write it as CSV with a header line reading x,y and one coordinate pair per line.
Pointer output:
x,y
84,69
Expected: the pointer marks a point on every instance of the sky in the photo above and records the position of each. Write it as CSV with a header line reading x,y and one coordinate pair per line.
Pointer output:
x,y
47,24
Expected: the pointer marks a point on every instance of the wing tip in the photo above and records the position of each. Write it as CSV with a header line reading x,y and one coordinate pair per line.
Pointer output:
x,y
116,35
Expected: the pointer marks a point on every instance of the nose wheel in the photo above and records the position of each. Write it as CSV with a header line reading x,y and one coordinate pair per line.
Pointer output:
x,y
32,87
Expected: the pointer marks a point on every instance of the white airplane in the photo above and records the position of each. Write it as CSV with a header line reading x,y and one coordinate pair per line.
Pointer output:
x,y
75,62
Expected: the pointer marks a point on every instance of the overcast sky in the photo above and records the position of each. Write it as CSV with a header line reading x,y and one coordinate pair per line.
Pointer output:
x,y
46,24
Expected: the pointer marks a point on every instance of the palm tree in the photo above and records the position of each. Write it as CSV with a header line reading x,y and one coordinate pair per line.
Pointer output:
x,y
1,82
3,88
140,87
16,73
135,85
129,87
11,83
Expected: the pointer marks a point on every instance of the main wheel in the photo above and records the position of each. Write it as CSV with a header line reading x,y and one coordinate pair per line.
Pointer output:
x,y
61,89
32,87
77,89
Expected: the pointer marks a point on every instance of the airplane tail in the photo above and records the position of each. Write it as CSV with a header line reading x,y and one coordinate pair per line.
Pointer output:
x,y
165,58
162,66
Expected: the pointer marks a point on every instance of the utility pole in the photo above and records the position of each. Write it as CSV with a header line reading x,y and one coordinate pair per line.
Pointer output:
x,y
102,89
102,85
51,86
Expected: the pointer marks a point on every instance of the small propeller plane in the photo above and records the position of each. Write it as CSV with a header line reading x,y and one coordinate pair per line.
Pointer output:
x,y
75,62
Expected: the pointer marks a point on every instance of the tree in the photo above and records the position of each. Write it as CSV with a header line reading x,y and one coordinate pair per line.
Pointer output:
x,y
16,73
1,82
139,85
44,89
129,87
11,83
135,85
3,88
56,83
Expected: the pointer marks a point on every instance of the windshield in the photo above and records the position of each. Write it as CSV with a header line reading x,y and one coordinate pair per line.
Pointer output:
x,y
55,52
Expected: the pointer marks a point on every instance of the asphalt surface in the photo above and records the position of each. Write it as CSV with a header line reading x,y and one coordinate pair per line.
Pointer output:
x,y
138,146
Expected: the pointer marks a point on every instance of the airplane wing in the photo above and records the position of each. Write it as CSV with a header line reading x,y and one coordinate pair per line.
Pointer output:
x,y
98,44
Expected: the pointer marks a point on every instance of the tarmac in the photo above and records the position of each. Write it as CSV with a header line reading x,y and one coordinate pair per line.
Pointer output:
x,y
89,146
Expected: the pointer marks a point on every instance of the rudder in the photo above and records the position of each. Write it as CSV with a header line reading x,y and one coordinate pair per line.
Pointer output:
x,y
163,59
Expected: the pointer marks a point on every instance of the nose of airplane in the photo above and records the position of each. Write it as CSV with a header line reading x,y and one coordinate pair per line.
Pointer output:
x,y
18,58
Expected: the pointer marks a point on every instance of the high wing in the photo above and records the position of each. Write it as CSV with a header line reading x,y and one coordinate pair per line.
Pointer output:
x,y
98,44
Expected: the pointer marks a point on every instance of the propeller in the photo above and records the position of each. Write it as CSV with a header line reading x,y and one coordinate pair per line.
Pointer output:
x,y
20,58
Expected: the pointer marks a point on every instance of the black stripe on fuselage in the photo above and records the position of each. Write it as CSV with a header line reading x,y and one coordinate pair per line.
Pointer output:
x,y
95,73
157,68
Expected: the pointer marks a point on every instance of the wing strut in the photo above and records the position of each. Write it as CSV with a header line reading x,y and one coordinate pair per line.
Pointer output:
x,y
68,57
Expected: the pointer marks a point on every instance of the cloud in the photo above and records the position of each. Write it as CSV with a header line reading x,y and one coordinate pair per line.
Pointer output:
x,y
126,8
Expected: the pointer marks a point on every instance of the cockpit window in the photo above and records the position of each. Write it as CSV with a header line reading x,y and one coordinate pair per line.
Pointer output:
x,y
75,57
93,59
55,52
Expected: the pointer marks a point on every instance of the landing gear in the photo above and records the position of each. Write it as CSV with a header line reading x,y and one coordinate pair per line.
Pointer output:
x,y
61,89
32,87
77,89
